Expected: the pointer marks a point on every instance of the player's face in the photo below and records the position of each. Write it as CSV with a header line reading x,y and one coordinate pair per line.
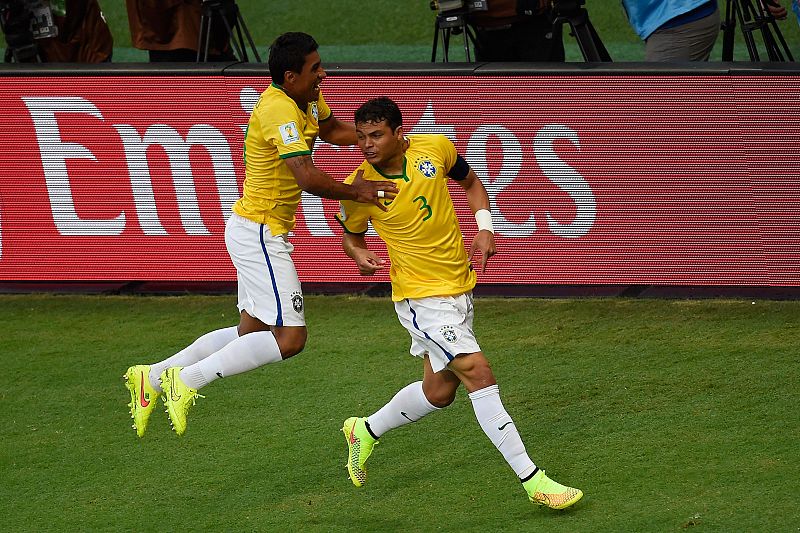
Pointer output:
x,y
304,85
379,144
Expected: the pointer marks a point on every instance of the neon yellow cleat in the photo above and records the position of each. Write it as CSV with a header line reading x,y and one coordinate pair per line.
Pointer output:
x,y
143,396
359,445
544,491
178,398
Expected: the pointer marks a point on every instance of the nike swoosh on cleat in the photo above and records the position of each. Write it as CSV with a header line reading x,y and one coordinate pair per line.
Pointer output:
x,y
172,389
142,399
219,374
504,425
353,434
405,415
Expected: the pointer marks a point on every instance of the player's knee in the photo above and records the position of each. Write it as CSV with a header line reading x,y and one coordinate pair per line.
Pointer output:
x,y
440,399
292,347
440,394
290,341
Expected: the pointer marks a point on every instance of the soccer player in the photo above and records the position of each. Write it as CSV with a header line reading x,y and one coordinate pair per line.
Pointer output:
x,y
432,280
280,137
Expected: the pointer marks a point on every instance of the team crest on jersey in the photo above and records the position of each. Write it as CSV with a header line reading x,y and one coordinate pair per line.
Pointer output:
x,y
289,132
314,111
297,301
425,167
449,334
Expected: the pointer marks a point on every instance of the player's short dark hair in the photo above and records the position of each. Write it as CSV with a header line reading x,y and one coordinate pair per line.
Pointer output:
x,y
288,52
377,110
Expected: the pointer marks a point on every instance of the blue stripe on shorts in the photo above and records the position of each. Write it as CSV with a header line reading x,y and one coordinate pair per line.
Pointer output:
x,y
414,320
279,318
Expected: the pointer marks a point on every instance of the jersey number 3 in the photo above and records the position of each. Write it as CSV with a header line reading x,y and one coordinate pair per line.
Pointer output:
x,y
424,207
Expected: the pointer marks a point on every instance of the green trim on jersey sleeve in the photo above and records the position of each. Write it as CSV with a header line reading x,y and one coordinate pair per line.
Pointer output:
x,y
295,154
339,220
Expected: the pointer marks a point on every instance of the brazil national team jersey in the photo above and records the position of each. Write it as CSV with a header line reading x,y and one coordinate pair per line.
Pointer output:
x,y
420,229
277,130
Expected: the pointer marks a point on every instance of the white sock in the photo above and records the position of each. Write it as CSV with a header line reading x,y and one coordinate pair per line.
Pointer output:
x,y
408,405
500,429
197,351
242,354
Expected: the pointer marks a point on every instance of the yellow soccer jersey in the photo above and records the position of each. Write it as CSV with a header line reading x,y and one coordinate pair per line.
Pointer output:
x,y
420,228
277,130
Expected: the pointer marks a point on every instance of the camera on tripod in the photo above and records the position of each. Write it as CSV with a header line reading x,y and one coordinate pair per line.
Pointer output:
x,y
22,22
224,15
451,19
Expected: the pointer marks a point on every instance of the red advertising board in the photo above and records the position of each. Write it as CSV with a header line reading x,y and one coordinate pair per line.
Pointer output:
x,y
674,180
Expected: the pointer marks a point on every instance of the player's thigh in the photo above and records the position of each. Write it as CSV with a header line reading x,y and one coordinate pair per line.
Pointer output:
x,y
473,370
268,285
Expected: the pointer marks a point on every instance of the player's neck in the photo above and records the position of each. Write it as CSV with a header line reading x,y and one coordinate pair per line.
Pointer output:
x,y
394,167
301,103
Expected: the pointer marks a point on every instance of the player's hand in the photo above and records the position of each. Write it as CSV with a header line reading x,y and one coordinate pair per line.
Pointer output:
x,y
368,262
379,193
482,246
776,9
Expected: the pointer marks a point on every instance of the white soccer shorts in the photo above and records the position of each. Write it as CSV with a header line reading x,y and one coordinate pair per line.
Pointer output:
x,y
439,326
268,286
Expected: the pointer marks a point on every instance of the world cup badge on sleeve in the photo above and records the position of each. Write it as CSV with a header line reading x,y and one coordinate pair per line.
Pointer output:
x,y
289,132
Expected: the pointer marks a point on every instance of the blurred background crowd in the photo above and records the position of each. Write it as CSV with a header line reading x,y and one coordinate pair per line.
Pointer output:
x,y
96,31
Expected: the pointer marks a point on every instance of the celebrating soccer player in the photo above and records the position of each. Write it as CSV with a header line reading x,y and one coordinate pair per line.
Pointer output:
x,y
432,280
281,133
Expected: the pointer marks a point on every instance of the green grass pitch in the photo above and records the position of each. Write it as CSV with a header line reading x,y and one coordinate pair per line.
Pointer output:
x,y
671,415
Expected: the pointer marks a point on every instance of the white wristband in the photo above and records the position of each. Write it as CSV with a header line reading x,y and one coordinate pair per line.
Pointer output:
x,y
484,219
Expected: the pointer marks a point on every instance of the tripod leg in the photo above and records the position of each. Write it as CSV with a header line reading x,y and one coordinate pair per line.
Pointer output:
x,y
728,30
601,49
589,41
469,32
249,37
466,42
240,40
744,14
435,41
208,38
203,22
783,42
239,52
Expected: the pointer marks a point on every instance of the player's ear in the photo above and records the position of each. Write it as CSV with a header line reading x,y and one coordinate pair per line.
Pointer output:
x,y
398,132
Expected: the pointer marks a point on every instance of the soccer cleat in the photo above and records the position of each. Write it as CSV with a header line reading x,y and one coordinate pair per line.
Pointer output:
x,y
544,491
359,445
178,398
143,396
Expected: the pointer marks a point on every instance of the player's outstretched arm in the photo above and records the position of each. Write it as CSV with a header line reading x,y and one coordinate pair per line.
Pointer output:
x,y
478,199
315,181
355,246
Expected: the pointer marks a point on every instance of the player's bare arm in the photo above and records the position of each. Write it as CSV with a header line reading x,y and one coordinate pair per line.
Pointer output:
x,y
355,246
314,181
337,132
483,243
